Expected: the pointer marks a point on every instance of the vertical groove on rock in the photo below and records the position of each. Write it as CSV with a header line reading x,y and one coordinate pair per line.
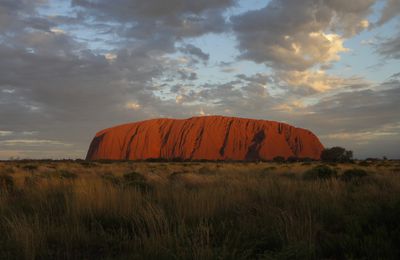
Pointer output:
x,y
197,142
166,136
222,150
124,146
128,147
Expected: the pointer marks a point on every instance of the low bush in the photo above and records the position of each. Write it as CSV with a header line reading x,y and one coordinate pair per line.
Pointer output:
x,y
306,163
268,169
108,176
364,163
133,177
353,174
31,180
320,172
292,159
206,170
6,183
87,164
30,167
279,159
7,170
64,174
137,180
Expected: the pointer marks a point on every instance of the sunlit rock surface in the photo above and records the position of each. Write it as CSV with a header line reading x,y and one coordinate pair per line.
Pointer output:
x,y
207,137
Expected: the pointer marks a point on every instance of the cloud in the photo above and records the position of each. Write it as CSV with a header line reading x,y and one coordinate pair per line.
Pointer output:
x,y
5,133
293,35
187,75
51,82
126,10
356,117
391,10
311,81
14,15
365,136
63,77
389,48
258,78
32,142
195,51
159,23
364,110
133,106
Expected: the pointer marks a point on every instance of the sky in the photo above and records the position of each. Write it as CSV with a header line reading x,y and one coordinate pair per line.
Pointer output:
x,y
70,68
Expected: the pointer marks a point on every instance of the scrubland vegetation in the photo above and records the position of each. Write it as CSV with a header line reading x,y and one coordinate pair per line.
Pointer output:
x,y
138,210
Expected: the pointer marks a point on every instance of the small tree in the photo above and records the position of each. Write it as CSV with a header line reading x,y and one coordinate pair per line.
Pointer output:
x,y
279,159
336,154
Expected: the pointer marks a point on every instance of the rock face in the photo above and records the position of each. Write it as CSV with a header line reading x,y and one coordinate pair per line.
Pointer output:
x,y
208,137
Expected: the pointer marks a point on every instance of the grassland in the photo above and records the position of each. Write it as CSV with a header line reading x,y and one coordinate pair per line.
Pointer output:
x,y
128,210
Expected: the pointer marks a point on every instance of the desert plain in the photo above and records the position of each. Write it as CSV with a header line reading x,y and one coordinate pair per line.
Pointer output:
x,y
75,209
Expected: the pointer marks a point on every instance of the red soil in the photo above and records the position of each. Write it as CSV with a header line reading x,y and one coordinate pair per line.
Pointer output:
x,y
208,137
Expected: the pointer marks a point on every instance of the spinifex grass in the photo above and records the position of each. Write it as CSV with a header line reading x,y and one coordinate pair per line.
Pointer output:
x,y
197,211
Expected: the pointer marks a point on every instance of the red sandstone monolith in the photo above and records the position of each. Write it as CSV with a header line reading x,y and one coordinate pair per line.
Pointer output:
x,y
204,138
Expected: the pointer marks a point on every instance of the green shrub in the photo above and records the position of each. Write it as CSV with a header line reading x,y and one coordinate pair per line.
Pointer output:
x,y
8,170
87,164
320,172
108,176
30,167
268,169
353,174
175,176
293,159
364,163
32,180
279,159
64,174
137,180
306,163
290,175
133,177
206,170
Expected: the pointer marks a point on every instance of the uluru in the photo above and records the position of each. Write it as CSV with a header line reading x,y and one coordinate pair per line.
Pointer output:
x,y
204,138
